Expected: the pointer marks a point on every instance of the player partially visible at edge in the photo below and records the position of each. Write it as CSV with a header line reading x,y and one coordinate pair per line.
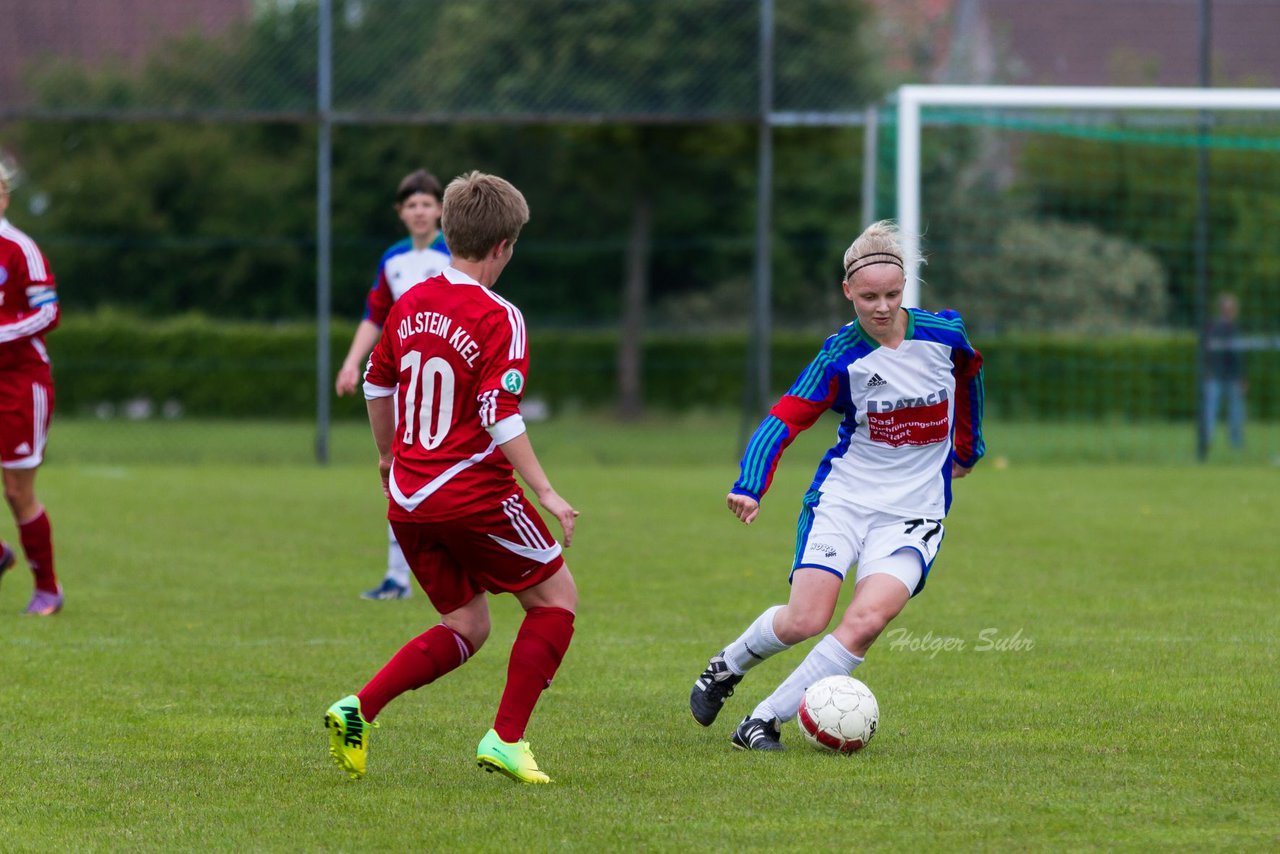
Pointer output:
x,y
28,310
414,259
443,388
907,385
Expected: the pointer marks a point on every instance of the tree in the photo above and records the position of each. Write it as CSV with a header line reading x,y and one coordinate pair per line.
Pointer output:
x,y
562,63
218,217
1052,275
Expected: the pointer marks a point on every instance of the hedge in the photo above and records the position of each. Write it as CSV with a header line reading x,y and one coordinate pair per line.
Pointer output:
x,y
238,370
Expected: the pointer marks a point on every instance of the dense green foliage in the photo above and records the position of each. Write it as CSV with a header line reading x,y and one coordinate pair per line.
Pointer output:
x,y
1052,275
1139,187
212,615
259,370
166,217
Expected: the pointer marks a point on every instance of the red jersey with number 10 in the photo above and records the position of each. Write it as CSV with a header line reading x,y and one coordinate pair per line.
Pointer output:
x,y
455,356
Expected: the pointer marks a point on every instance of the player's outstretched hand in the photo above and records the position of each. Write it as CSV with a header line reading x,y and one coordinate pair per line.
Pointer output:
x,y
348,379
744,507
958,471
561,509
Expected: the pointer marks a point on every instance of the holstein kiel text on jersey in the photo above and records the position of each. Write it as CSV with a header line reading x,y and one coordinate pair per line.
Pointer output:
x,y
438,324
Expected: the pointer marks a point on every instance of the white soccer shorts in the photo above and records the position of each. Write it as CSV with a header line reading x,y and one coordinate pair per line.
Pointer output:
x,y
833,535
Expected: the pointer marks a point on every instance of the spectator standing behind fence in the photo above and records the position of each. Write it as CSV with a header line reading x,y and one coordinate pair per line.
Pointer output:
x,y
414,259
1224,375
28,309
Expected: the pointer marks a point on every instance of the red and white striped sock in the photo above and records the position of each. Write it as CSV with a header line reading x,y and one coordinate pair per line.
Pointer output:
x,y
420,662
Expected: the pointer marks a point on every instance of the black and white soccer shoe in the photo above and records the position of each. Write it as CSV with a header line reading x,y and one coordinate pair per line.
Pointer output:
x,y
711,689
758,734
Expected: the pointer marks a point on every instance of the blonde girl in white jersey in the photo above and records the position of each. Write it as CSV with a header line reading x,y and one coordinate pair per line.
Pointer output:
x,y
908,387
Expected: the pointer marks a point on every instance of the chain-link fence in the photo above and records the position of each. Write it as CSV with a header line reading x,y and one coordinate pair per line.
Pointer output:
x,y
170,158
436,61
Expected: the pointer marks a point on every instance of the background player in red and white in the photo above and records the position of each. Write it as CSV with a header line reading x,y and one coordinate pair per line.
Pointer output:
x,y
908,387
443,386
28,310
413,259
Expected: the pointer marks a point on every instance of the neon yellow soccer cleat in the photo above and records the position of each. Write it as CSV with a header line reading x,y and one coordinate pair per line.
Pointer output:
x,y
348,735
514,760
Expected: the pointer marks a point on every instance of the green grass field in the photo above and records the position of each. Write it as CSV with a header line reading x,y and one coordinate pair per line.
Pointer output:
x,y
212,571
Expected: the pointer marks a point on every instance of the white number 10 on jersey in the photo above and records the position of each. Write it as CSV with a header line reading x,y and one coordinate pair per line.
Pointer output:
x,y
427,413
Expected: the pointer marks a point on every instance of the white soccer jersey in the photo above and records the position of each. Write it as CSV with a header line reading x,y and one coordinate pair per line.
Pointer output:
x,y
906,414
400,269
406,269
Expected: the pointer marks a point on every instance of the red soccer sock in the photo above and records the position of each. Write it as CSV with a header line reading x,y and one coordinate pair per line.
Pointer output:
x,y
535,656
420,662
37,542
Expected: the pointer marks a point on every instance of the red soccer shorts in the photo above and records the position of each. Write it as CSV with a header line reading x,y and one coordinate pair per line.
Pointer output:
x,y
26,405
502,550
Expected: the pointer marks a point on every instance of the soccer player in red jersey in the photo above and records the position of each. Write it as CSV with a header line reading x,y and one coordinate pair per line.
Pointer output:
x,y
443,387
414,259
28,310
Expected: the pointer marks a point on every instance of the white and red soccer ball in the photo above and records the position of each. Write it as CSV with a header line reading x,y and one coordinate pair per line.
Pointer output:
x,y
838,713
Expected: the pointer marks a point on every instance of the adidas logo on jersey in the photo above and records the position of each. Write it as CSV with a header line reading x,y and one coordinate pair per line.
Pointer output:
x,y
876,381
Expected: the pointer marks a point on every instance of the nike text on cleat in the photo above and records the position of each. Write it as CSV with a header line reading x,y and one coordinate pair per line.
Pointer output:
x,y
515,760
757,734
44,604
348,735
711,689
388,589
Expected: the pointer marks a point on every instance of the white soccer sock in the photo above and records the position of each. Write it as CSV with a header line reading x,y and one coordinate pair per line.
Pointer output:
x,y
827,658
397,566
756,644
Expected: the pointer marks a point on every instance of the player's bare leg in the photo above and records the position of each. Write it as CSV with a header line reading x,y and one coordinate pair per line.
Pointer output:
x,y
20,493
877,599
812,602
807,612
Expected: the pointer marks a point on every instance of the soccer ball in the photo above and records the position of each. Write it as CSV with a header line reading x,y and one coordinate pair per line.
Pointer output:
x,y
838,713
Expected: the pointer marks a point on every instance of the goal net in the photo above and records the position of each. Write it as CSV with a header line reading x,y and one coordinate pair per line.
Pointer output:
x,y
1092,237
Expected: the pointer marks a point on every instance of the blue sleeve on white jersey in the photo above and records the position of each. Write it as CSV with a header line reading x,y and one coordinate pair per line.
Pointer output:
x,y
817,389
